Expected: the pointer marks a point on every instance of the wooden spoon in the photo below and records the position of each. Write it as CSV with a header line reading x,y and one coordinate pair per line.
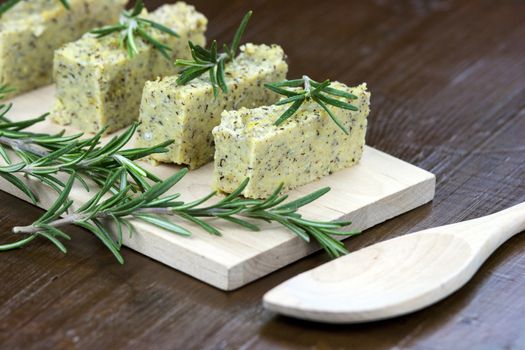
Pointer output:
x,y
397,276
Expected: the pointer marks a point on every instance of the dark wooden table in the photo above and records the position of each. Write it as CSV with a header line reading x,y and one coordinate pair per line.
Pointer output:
x,y
448,84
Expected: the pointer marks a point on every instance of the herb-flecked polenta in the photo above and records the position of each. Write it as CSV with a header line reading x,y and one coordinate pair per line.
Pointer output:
x,y
188,113
32,30
304,148
98,85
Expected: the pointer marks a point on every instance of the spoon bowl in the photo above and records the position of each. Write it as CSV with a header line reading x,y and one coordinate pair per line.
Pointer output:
x,y
397,276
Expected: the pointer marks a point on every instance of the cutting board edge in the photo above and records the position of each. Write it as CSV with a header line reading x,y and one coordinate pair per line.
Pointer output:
x,y
426,187
227,278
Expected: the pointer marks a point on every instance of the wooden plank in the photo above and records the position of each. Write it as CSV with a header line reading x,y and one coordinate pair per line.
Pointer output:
x,y
378,188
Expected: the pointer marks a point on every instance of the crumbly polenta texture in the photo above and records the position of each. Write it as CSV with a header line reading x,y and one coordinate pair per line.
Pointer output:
x,y
187,114
32,30
303,149
99,86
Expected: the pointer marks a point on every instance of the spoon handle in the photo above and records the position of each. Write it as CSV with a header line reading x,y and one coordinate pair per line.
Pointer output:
x,y
489,232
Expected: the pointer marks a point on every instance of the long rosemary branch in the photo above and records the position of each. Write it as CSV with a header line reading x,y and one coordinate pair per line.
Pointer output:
x,y
105,210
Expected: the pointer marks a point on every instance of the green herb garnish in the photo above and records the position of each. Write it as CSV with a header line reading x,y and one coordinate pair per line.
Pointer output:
x,y
7,5
209,60
155,207
131,25
306,89
44,156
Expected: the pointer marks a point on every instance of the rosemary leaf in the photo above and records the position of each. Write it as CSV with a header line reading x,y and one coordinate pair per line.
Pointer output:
x,y
155,206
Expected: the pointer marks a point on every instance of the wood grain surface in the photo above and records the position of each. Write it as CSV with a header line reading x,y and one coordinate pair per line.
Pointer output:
x,y
448,79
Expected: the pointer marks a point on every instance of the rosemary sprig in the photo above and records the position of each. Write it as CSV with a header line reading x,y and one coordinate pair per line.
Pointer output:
x,y
131,25
8,4
306,89
43,156
209,60
106,210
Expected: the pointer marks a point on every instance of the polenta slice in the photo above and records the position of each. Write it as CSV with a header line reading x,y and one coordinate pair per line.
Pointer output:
x,y
306,147
99,86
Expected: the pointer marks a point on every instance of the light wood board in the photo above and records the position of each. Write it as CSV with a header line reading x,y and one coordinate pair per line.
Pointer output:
x,y
380,187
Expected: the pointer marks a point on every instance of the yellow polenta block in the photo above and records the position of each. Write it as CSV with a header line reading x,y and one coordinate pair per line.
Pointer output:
x,y
31,31
188,113
98,85
303,149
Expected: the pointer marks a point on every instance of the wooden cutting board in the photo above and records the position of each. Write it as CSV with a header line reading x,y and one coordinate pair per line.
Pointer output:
x,y
378,188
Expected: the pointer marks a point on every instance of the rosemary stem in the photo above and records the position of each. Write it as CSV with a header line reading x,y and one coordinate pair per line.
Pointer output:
x,y
158,211
77,217
23,145
307,85
66,220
